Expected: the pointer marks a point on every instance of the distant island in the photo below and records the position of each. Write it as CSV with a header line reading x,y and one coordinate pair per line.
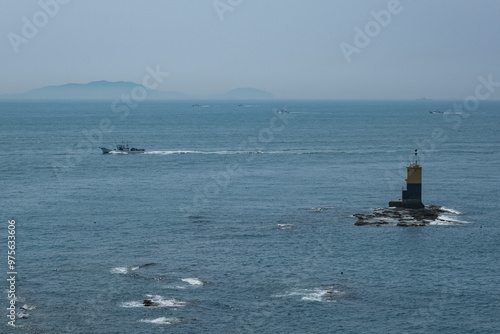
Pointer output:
x,y
106,90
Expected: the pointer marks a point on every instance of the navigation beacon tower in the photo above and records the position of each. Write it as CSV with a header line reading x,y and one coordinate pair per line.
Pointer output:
x,y
412,196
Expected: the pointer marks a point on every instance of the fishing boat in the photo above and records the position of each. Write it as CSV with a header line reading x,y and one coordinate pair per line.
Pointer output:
x,y
283,110
122,148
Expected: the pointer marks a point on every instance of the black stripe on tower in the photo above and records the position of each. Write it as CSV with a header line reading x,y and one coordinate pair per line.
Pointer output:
x,y
413,191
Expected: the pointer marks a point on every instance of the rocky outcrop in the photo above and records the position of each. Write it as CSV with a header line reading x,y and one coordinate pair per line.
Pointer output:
x,y
149,302
400,216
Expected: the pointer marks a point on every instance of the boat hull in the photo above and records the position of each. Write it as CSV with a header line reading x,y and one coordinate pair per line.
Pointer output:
x,y
105,150
131,151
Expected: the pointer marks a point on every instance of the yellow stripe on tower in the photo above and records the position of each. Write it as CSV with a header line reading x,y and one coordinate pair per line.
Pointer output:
x,y
414,174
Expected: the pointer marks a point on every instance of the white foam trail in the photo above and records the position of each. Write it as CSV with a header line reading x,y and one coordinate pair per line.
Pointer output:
x,y
162,321
447,220
119,270
28,307
451,210
285,226
201,152
166,302
22,315
316,296
172,152
124,270
158,301
192,281
132,304
226,152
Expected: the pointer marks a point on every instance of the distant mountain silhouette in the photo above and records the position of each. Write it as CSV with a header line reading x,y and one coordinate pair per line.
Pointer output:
x,y
105,90
96,90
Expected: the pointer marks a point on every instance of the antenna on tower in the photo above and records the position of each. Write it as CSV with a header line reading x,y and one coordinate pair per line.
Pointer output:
x,y
416,158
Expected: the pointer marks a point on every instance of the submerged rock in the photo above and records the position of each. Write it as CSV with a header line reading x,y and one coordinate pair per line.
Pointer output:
x,y
149,302
400,216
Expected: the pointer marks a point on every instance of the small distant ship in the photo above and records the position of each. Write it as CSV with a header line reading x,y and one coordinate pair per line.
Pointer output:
x,y
435,111
122,148
283,110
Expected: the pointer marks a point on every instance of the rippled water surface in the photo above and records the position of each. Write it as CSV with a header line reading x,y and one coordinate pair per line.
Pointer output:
x,y
238,219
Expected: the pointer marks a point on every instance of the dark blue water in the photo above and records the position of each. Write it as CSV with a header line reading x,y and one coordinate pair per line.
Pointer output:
x,y
239,219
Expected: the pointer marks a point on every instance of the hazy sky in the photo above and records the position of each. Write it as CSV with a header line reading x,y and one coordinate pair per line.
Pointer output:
x,y
291,48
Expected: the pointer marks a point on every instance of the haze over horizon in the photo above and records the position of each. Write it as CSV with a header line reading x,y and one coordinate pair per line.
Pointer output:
x,y
294,49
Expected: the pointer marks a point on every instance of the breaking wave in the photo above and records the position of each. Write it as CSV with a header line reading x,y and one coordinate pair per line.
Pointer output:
x,y
162,321
455,212
154,301
192,281
324,294
127,269
285,227
119,270
447,220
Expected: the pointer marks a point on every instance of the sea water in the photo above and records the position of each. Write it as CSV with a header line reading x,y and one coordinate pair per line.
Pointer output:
x,y
238,218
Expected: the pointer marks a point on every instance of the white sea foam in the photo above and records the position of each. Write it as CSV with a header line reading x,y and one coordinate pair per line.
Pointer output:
x,y
22,315
162,321
316,209
132,304
451,210
192,281
225,152
315,294
158,301
125,269
285,226
201,152
172,152
166,302
388,220
447,220
119,270
28,307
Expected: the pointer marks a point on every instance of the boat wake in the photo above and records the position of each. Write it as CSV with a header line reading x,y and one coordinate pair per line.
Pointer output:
x,y
202,152
233,152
